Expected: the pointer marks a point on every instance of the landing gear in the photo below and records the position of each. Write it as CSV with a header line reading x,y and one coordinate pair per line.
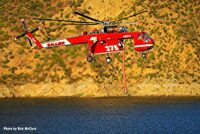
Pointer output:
x,y
108,60
89,58
144,55
121,46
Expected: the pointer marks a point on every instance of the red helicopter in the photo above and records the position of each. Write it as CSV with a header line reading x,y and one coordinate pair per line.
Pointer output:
x,y
105,41
108,40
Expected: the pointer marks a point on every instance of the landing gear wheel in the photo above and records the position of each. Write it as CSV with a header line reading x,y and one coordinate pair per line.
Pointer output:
x,y
89,58
108,60
144,55
121,46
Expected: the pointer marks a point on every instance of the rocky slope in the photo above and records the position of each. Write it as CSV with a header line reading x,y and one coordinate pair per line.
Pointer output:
x,y
171,68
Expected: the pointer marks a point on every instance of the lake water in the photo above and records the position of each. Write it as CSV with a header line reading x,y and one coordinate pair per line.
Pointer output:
x,y
118,115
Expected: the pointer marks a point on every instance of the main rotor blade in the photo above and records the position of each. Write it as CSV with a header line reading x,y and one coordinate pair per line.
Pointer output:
x,y
130,16
60,20
130,23
85,16
82,24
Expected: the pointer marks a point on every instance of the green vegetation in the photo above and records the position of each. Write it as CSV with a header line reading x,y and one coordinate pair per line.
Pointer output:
x,y
37,56
174,25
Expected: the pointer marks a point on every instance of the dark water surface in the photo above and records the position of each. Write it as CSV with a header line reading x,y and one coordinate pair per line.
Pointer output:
x,y
100,115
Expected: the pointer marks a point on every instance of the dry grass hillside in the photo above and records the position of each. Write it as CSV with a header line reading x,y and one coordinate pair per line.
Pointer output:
x,y
171,68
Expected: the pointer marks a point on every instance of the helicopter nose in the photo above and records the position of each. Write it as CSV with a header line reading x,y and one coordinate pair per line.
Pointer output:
x,y
144,45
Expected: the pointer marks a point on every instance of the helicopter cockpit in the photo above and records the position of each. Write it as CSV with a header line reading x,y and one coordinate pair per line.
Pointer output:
x,y
145,37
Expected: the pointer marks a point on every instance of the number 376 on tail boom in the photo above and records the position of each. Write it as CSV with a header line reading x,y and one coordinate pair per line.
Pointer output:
x,y
108,40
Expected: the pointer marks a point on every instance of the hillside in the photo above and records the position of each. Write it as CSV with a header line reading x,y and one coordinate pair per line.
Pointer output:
x,y
172,67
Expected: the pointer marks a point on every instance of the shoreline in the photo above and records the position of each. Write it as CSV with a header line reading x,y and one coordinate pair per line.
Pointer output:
x,y
98,97
132,92
122,99
89,88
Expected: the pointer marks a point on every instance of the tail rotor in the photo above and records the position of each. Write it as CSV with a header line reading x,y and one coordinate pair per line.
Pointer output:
x,y
26,31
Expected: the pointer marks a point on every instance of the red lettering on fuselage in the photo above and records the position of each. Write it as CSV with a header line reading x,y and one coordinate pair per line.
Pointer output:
x,y
55,44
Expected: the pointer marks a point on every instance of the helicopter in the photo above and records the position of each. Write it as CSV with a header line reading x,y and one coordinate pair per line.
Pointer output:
x,y
109,39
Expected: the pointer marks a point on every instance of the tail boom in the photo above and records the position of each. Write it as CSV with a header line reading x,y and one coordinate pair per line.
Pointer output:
x,y
56,43
49,44
32,38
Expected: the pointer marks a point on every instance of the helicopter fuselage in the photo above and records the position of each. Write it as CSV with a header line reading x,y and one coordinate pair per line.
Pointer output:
x,y
99,43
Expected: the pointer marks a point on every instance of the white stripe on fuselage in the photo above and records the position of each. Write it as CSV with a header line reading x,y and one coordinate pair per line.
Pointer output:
x,y
56,43
146,45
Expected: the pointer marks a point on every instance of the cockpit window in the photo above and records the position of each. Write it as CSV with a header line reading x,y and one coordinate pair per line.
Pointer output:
x,y
144,36
139,36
